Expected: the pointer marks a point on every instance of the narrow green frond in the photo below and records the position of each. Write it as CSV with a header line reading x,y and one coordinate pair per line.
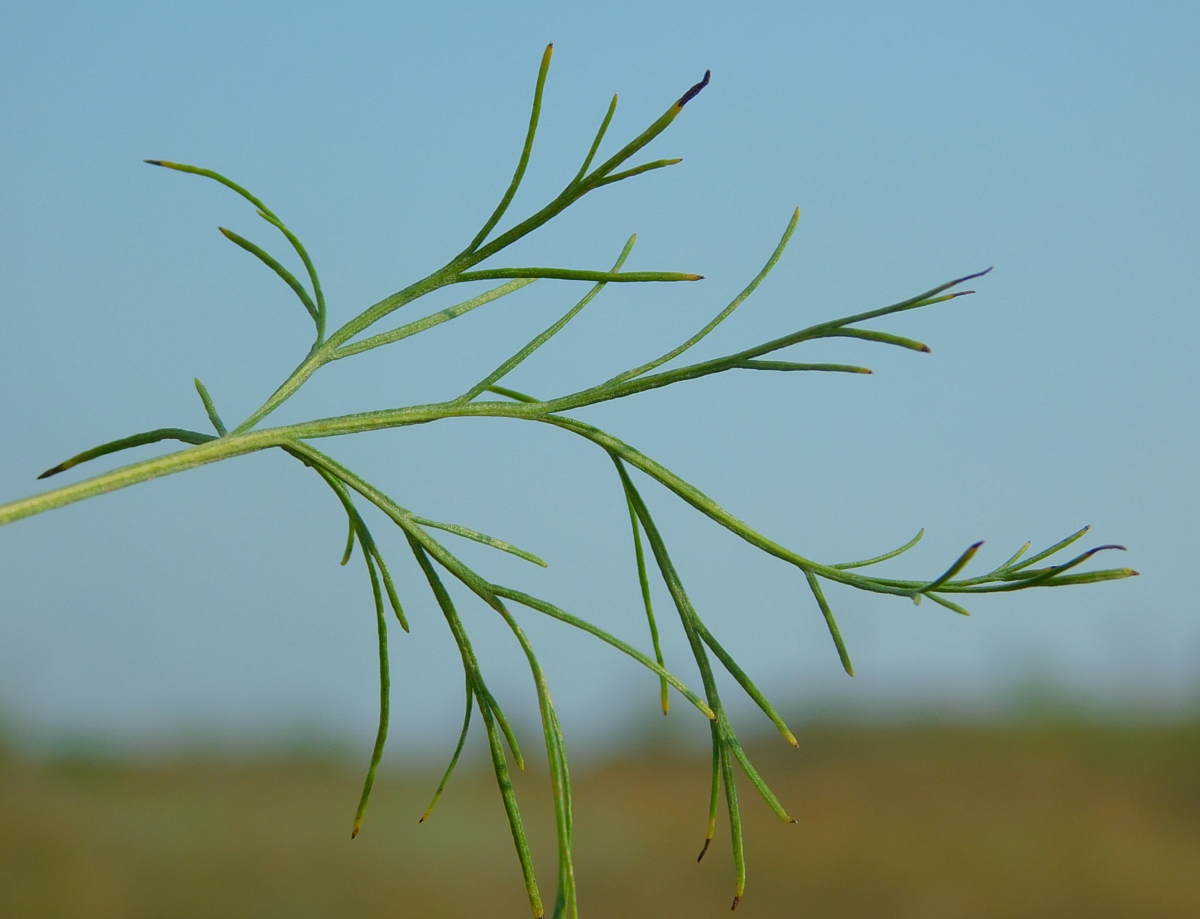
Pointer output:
x,y
216,177
948,604
308,266
125,443
1044,576
557,760
1091,577
657,127
268,260
882,558
764,790
825,329
612,108
384,699
1046,553
644,583
744,680
462,739
873,335
434,319
268,215
689,493
390,587
573,274
358,528
928,298
510,736
1040,574
210,409
515,825
476,536
512,394
830,621
959,564
714,796
554,612
507,366
1013,560
721,316
566,901
349,542
735,827
792,365
488,706
400,516
569,195
523,161
638,170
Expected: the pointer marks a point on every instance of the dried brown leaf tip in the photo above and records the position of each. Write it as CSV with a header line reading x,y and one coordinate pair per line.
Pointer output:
x,y
694,91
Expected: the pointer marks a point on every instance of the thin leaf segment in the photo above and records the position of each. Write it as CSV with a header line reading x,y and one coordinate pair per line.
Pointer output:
x,y
434,559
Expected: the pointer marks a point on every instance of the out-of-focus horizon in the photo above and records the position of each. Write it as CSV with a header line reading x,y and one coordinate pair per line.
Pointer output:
x,y
921,144
1042,819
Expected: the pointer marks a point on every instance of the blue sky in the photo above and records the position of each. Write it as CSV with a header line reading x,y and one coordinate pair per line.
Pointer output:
x,y
1057,142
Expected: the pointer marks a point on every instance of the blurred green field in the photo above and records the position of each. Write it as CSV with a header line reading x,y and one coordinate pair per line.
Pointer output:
x,y
934,821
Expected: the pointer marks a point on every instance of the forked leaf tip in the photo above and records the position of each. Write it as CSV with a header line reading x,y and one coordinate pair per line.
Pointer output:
x,y
694,91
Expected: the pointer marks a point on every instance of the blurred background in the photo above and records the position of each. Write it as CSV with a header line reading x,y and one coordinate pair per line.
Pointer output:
x,y
188,681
